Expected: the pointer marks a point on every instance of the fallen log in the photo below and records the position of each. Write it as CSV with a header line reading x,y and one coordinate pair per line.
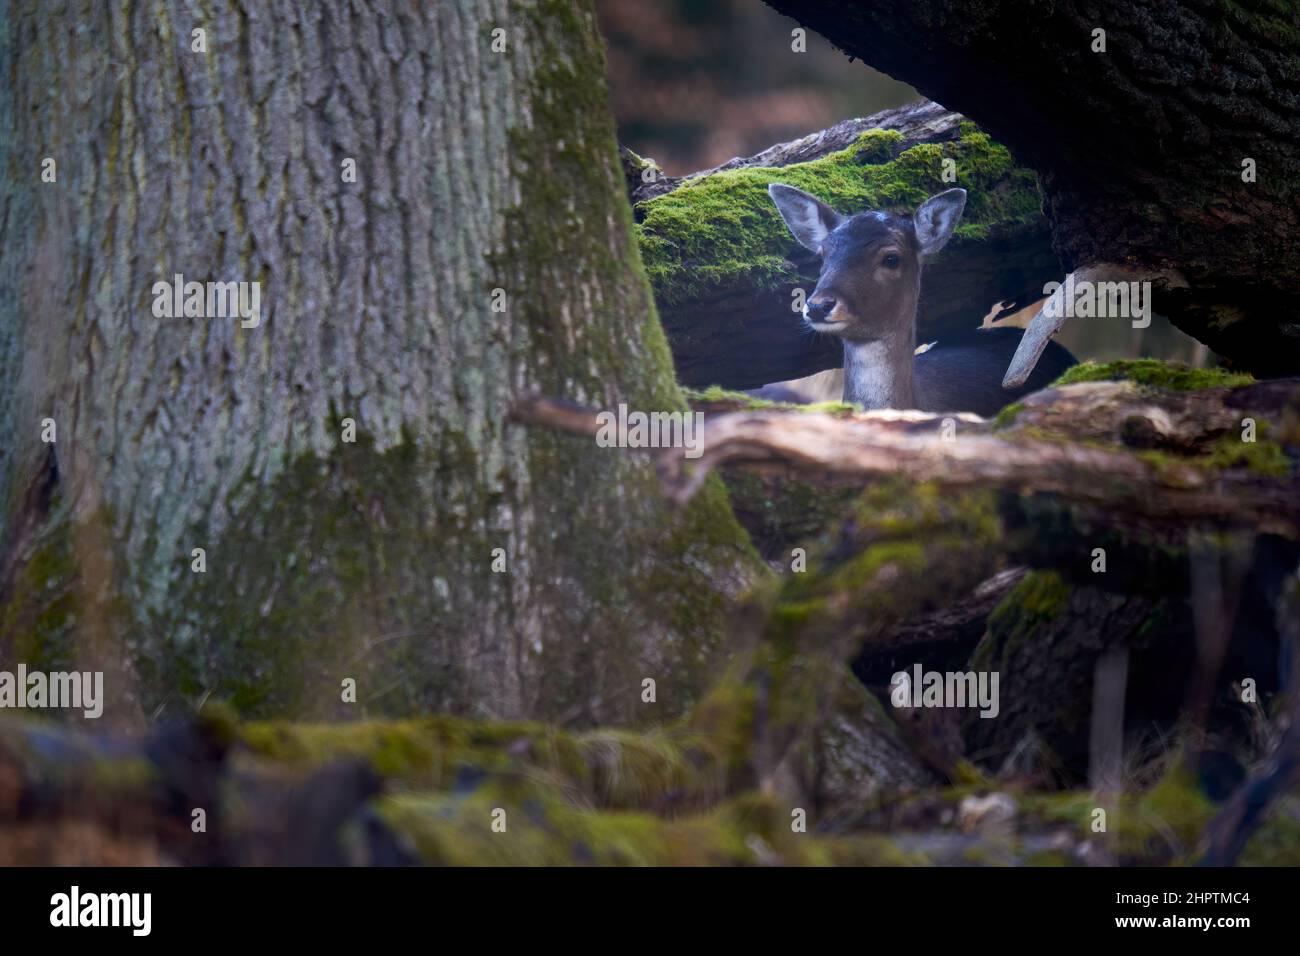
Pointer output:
x,y
1123,447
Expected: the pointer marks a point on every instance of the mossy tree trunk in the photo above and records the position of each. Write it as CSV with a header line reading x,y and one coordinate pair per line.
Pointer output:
x,y
1166,135
484,177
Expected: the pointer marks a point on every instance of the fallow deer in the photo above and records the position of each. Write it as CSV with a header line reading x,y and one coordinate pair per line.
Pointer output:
x,y
867,295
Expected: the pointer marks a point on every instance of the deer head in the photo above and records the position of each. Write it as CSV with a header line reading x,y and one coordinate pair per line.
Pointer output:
x,y
871,262
869,285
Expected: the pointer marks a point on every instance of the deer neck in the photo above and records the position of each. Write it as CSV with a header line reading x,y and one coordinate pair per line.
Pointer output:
x,y
878,374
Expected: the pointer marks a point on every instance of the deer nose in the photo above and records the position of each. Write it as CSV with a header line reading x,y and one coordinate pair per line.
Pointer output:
x,y
820,310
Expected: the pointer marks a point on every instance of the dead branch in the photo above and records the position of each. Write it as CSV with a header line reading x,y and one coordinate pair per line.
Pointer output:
x,y
1035,455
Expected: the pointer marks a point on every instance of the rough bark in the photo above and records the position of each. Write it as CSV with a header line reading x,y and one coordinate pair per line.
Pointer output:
x,y
1140,147
476,171
724,266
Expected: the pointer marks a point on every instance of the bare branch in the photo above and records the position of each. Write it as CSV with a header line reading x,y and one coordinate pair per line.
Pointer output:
x,y
964,451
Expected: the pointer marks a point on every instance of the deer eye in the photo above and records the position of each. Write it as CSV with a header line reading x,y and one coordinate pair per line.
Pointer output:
x,y
890,261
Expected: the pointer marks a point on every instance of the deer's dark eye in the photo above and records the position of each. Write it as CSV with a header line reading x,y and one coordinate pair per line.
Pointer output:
x,y
890,261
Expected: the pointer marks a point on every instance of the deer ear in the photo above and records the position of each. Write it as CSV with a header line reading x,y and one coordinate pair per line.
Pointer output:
x,y
937,218
809,219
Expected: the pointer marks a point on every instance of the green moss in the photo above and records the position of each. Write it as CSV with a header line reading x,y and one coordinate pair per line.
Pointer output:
x,y
896,525
1153,372
717,394
901,549
114,780
1072,807
1161,824
604,768
636,160
64,607
1039,598
1153,826
1260,456
1166,820
905,556
542,830
722,229
1032,605
333,558
1179,804
743,401
72,770
1007,416
37,621
726,717
1277,841
831,408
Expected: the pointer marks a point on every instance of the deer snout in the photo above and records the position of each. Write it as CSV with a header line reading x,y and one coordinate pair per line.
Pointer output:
x,y
819,310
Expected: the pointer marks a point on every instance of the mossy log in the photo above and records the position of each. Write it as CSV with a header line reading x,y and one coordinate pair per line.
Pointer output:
x,y
723,265
442,790
429,792
1166,134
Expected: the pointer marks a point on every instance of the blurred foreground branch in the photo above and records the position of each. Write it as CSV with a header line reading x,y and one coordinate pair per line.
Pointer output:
x,y
1164,456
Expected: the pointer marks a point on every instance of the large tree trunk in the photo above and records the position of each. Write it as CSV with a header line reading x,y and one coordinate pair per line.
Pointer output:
x,y
476,171
1142,147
